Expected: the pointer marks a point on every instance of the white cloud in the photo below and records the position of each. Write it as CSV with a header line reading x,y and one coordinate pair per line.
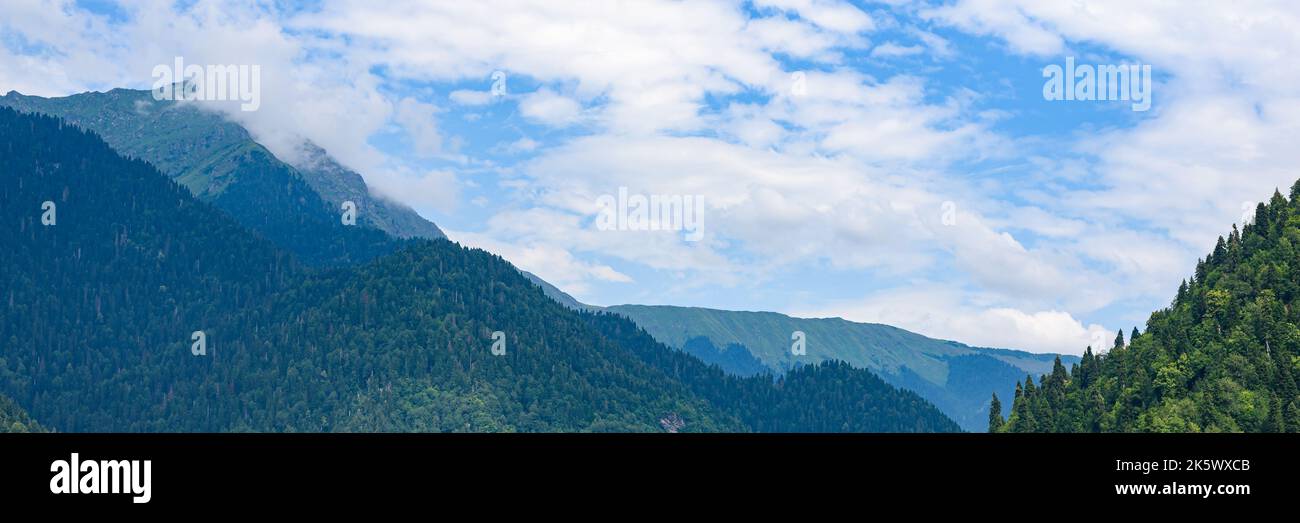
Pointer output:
x,y
548,107
894,50
555,265
1218,135
522,145
437,189
1023,33
941,311
420,122
939,47
767,211
471,97
830,15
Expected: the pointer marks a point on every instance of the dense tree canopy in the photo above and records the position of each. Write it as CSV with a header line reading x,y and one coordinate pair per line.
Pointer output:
x,y
1222,358
14,419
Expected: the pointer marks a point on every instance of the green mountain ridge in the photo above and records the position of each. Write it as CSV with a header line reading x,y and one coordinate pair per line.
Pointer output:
x,y
208,153
101,307
337,184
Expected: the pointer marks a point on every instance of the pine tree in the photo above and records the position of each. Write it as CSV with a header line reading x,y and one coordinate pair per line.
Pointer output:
x,y
995,415
1087,367
1059,374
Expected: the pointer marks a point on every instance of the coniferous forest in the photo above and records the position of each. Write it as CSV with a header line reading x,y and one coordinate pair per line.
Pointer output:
x,y
14,419
132,306
1223,357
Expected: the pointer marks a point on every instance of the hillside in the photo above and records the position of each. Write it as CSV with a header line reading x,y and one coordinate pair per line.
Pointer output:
x,y
1223,357
956,378
221,164
218,161
337,184
103,303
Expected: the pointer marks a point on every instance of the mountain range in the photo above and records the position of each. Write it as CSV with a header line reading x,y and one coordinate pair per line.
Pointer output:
x,y
957,378
296,208
132,305
221,164
207,152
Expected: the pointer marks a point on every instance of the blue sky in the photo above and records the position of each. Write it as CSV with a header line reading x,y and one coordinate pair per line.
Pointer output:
x,y
827,139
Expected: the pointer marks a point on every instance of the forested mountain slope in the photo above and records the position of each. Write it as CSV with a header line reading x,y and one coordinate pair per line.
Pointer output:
x,y
957,378
113,274
1223,357
220,163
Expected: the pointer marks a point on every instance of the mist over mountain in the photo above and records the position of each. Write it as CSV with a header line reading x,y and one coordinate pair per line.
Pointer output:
x,y
221,164
133,306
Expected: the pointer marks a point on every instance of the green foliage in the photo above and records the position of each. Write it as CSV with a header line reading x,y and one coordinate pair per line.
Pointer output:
x,y
995,415
1221,358
14,419
99,311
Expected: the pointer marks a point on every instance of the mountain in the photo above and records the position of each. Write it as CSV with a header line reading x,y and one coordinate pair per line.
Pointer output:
x,y
221,164
956,378
130,305
337,184
561,297
734,358
293,206
208,153
1223,357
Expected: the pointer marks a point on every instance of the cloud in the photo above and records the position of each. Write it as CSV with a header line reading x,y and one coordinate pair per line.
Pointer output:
x,y
832,16
893,50
938,46
550,108
420,123
1023,33
1217,136
437,189
522,145
555,265
768,211
943,312
470,97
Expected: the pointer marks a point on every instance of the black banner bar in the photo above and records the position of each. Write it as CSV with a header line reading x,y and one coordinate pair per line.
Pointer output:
x,y
229,471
